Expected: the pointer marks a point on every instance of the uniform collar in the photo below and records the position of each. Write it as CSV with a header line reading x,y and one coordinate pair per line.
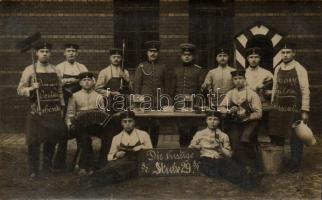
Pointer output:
x,y
289,65
88,92
211,131
41,64
243,89
115,66
254,69
74,63
188,64
129,134
223,67
154,62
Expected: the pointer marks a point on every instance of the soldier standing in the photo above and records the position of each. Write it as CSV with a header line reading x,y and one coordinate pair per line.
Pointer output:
x,y
149,76
68,72
45,126
290,102
112,76
188,78
259,80
219,80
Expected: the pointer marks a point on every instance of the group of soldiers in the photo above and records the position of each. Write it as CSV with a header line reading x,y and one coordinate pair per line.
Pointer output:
x,y
248,101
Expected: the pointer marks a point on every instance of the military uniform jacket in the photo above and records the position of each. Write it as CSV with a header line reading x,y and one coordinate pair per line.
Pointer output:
x,y
188,79
149,77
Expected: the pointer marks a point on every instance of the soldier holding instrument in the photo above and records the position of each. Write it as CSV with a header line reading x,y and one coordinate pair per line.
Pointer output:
x,y
244,109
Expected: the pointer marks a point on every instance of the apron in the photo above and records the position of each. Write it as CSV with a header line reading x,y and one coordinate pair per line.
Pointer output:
x,y
126,167
71,88
114,84
286,103
50,126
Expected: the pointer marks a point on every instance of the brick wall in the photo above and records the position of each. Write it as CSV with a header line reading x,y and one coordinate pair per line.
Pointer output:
x,y
88,23
298,20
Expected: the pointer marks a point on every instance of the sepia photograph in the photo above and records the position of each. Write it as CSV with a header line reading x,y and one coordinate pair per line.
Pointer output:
x,y
161,99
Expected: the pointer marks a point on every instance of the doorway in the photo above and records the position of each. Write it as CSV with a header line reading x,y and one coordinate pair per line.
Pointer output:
x,y
266,46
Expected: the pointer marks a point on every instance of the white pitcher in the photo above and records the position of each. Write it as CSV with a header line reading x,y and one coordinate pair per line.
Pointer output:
x,y
304,133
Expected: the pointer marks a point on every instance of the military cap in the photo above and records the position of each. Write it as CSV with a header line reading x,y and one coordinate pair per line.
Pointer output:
x,y
254,50
71,45
238,72
127,114
213,113
187,47
152,44
43,45
286,44
221,50
114,51
85,75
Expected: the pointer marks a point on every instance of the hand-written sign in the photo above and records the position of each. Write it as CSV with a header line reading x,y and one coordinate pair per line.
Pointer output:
x,y
169,162
48,92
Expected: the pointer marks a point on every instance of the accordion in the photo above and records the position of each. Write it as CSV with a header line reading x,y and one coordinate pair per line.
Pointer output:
x,y
92,117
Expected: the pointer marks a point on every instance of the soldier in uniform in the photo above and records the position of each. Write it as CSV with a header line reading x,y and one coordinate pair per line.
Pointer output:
x,y
44,126
290,102
219,78
87,99
68,72
149,76
123,155
216,153
244,109
111,78
259,80
188,78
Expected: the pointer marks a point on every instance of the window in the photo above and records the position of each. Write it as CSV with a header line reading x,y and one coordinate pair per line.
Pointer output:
x,y
210,25
135,21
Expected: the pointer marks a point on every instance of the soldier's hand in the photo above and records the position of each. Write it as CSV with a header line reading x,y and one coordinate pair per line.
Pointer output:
x,y
122,74
138,148
69,125
73,80
120,154
204,86
216,155
233,109
245,119
35,86
305,116
115,93
242,116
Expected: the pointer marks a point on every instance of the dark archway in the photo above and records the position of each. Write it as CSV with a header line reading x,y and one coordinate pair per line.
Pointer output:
x,y
266,45
262,36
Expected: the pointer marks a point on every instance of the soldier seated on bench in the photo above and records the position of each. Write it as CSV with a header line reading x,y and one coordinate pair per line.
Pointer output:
x,y
122,156
216,153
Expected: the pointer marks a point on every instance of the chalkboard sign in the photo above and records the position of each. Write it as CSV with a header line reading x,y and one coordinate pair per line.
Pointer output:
x,y
169,162
48,93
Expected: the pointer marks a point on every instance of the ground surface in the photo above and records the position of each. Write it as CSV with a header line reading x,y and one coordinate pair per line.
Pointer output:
x,y
15,184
